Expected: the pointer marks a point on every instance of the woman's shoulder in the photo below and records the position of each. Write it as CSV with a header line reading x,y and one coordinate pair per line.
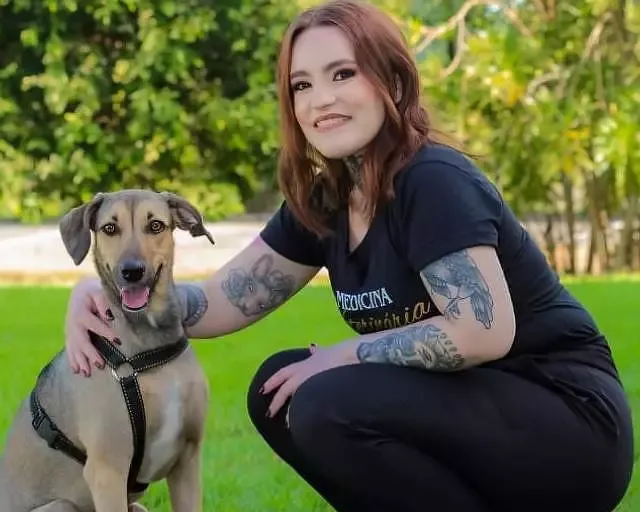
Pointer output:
x,y
440,153
435,164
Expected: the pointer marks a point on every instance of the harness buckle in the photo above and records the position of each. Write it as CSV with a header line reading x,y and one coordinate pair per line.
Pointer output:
x,y
129,372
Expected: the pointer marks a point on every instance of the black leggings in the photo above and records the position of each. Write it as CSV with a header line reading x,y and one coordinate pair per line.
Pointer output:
x,y
377,437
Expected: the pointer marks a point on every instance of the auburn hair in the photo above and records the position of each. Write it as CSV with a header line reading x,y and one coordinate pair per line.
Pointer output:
x,y
314,186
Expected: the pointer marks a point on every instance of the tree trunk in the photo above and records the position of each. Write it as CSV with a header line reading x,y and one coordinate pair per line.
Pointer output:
x,y
624,256
570,217
635,258
592,252
598,219
550,243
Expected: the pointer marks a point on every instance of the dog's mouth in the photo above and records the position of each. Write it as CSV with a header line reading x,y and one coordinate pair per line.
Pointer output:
x,y
136,298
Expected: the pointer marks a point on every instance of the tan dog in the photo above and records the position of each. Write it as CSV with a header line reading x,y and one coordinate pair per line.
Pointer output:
x,y
133,255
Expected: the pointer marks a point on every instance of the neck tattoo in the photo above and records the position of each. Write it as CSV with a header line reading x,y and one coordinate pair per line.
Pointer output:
x,y
354,166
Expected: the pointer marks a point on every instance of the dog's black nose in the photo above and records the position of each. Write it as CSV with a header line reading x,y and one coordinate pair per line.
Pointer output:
x,y
132,271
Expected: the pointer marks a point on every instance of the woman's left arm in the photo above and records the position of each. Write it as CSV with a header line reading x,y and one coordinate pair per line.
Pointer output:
x,y
477,323
455,254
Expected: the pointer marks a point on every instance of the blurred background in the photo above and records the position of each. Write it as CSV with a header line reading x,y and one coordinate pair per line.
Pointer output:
x,y
179,95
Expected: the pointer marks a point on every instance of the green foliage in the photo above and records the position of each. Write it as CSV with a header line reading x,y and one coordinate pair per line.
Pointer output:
x,y
545,92
180,96
100,95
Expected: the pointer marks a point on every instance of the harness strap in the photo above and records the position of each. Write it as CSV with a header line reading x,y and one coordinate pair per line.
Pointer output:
x,y
47,429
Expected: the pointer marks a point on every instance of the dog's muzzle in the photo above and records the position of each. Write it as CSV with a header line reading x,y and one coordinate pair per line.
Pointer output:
x,y
135,294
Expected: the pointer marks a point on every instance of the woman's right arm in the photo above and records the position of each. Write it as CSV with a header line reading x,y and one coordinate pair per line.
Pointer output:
x,y
250,286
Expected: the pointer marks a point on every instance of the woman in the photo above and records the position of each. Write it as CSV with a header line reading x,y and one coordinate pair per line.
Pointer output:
x,y
475,381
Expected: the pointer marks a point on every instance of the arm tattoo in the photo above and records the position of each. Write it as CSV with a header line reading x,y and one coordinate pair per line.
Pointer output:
x,y
458,278
193,302
422,346
259,289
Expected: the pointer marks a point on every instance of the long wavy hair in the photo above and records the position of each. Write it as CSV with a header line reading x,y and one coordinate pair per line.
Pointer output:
x,y
314,186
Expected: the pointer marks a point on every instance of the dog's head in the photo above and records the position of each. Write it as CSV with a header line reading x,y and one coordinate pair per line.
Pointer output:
x,y
133,240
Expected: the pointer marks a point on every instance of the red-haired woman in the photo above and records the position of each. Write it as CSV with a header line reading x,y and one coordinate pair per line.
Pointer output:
x,y
476,381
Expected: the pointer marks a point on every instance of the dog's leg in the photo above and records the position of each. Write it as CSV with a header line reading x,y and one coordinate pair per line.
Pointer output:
x,y
57,506
184,481
108,485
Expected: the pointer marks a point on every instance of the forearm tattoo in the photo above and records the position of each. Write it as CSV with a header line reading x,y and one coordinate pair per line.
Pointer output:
x,y
458,278
193,302
421,346
259,289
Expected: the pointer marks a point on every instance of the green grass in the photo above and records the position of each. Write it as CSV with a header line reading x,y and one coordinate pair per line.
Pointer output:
x,y
240,473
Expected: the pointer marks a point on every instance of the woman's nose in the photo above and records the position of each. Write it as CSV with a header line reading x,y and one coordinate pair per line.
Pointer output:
x,y
322,97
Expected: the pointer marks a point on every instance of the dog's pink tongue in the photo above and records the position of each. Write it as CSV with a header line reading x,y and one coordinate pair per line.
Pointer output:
x,y
135,299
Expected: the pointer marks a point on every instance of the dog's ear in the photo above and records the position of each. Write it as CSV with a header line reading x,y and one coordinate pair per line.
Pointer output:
x,y
186,216
76,226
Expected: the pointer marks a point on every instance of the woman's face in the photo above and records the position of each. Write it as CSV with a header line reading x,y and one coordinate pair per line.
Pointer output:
x,y
336,107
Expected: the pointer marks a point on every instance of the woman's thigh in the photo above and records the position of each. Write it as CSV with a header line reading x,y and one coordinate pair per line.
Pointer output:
x,y
509,438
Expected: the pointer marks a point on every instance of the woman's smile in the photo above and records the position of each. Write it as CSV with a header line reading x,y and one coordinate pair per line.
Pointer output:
x,y
330,122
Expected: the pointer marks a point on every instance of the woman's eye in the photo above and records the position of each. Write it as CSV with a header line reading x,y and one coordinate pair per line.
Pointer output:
x,y
298,86
343,74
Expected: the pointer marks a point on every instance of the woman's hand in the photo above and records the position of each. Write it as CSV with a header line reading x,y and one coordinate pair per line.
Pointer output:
x,y
86,311
289,378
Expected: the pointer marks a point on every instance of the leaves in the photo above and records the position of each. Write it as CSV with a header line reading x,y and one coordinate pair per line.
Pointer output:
x,y
99,95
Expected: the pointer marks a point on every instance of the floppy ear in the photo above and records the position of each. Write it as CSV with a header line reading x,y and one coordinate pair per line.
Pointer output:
x,y
186,216
75,228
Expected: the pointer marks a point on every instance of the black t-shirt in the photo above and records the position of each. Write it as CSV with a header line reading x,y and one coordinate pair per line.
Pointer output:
x,y
443,204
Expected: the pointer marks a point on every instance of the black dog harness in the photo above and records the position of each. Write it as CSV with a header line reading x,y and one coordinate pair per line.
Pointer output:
x,y
47,429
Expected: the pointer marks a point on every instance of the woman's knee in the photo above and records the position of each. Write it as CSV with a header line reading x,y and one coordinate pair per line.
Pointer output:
x,y
321,408
258,403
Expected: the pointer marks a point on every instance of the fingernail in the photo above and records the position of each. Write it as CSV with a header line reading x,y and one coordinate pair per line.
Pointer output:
x,y
86,374
117,341
268,415
99,365
261,391
109,314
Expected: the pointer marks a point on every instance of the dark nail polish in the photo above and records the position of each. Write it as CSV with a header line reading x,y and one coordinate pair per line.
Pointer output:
x,y
268,415
109,314
99,365
85,373
261,391
117,341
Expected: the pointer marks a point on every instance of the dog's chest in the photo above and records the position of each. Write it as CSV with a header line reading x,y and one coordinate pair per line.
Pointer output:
x,y
165,428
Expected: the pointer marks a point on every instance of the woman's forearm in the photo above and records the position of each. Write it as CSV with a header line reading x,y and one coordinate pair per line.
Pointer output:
x,y
207,312
253,284
436,344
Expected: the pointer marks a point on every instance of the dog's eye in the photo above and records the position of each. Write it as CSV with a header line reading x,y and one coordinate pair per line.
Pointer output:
x,y
109,229
156,226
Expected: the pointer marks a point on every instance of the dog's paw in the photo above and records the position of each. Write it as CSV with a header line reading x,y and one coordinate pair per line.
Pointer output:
x,y
136,507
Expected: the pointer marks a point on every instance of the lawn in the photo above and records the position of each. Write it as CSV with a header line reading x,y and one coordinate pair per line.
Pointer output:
x,y
240,473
